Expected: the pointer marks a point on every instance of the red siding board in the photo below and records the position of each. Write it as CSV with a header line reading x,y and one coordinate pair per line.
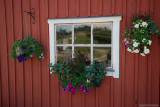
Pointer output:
x,y
27,64
11,62
45,44
36,65
30,84
4,62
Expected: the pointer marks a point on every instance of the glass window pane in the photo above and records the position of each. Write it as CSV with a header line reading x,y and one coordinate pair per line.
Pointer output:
x,y
101,54
102,33
82,34
64,34
63,52
84,50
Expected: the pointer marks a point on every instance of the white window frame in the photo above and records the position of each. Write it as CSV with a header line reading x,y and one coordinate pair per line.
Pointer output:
x,y
103,19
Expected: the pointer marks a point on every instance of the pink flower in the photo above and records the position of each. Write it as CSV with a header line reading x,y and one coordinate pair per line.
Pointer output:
x,y
66,63
88,81
59,80
20,39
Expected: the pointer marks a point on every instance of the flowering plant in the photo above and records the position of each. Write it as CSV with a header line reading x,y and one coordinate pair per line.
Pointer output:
x,y
25,49
74,74
138,36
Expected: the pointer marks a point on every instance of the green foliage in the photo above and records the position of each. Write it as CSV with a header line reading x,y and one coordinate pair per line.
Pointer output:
x,y
138,36
25,49
74,74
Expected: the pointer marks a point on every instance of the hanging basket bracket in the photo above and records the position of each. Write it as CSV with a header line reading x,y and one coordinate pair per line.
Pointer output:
x,y
32,14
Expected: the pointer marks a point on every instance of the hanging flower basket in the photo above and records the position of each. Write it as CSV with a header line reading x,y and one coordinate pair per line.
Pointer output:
x,y
25,49
75,74
138,36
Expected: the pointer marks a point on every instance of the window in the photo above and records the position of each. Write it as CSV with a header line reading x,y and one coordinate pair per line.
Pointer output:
x,y
97,37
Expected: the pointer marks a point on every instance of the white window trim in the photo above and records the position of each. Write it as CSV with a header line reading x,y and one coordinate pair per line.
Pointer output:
x,y
115,36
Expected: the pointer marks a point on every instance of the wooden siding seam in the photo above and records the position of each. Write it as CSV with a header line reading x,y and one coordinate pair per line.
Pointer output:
x,y
78,7
89,7
67,7
113,6
124,68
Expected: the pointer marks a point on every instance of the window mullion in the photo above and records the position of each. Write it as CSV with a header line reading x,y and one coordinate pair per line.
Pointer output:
x,y
55,39
72,40
91,43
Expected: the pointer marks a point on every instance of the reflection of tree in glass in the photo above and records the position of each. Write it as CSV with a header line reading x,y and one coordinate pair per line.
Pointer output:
x,y
82,34
63,53
84,50
101,54
102,35
64,36
63,32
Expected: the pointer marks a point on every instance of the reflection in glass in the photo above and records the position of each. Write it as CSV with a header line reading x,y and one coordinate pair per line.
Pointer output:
x,y
84,50
64,34
102,33
82,34
63,53
101,54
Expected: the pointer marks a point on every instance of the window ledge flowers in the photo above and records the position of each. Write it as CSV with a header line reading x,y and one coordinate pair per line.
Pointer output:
x,y
138,36
76,74
26,49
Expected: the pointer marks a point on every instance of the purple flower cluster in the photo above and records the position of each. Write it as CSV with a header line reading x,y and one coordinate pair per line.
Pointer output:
x,y
69,88
81,88
23,47
127,43
21,57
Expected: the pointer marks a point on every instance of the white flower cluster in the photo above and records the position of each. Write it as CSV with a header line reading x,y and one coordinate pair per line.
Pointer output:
x,y
133,50
141,24
149,42
136,48
146,51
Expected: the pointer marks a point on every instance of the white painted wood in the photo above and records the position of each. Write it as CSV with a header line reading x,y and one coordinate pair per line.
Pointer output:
x,y
52,43
72,41
85,20
115,38
86,45
91,43
115,49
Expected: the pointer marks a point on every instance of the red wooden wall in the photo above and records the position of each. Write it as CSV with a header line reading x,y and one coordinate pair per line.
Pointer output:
x,y
29,84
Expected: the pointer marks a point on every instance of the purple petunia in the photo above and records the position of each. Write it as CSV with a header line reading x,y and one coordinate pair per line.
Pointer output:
x,y
21,57
69,84
63,89
67,88
88,89
23,47
127,43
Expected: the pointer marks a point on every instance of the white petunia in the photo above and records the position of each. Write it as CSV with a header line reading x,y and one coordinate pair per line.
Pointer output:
x,y
142,54
144,24
135,44
149,42
136,51
136,25
129,50
144,39
146,50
